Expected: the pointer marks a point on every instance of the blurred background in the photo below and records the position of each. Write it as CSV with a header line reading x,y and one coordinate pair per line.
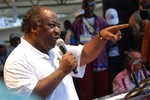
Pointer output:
x,y
12,11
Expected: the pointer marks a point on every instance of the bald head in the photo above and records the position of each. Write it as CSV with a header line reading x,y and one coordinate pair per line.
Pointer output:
x,y
32,18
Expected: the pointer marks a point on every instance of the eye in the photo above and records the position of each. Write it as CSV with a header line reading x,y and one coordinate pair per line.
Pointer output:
x,y
52,25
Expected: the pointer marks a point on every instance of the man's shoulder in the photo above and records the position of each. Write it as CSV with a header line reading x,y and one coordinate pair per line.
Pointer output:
x,y
78,18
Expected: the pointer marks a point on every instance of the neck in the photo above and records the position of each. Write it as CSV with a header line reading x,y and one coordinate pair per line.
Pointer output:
x,y
88,15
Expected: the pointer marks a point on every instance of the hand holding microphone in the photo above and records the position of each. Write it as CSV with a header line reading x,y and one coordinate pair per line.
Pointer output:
x,y
70,60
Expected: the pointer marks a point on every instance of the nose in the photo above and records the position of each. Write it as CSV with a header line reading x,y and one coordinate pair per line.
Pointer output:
x,y
57,30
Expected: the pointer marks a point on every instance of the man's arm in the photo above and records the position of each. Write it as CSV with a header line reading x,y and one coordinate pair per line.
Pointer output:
x,y
47,85
93,48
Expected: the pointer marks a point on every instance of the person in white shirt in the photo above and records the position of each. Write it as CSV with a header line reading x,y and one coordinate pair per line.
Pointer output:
x,y
37,65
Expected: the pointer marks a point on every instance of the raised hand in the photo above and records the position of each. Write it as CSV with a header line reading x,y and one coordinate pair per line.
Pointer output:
x,y
113,32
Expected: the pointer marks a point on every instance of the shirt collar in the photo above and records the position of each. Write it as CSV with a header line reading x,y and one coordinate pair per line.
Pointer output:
x,y
39,53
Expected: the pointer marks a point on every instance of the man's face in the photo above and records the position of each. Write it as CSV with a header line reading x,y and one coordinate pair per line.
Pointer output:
x,y
49,30
88,6
135,56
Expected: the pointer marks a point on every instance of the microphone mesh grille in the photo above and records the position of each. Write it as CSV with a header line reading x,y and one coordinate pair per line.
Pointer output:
x,y
59,42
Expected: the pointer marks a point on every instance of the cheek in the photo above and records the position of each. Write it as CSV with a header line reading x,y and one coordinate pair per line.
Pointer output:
x,y
50,41
44,34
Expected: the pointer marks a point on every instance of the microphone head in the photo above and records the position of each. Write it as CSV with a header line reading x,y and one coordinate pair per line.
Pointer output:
x,y
59,42
61,45
127,57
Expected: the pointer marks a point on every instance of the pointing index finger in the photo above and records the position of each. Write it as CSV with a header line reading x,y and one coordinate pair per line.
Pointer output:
x,y
118,27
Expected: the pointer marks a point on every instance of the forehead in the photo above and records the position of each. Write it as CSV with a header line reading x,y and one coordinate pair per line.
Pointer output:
x,y
48,15
135,54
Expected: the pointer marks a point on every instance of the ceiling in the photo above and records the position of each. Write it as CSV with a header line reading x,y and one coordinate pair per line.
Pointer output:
x,y
19,7
7,3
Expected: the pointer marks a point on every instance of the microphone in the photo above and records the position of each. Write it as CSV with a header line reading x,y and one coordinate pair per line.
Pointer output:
x,y
63,49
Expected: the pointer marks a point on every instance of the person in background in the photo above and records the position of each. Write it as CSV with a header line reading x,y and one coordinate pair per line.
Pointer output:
x,y
85,27
3,52
137,23
69,37
37,65
14,40
114,59
125,80
3,56
62,35
146,46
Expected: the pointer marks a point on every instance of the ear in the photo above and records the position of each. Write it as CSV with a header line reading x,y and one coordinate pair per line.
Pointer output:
x,y
33,30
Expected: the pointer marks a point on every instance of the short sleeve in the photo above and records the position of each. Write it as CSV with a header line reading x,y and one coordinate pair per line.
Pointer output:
x,y
77,50
20,77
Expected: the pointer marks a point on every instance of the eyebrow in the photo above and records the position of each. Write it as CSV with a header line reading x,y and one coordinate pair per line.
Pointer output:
x,y
54,22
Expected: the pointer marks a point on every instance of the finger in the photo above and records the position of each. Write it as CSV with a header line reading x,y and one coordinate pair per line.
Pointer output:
x,y
118,36
110,35
118,33
118,27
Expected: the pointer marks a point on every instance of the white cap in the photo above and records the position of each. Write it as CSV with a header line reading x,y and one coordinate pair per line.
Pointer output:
x,y
111,16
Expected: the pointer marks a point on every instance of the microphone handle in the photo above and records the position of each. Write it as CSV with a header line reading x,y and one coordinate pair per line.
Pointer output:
x,y
64,50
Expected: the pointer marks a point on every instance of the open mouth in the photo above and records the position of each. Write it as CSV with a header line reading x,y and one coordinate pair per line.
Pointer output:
x,y
55,38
